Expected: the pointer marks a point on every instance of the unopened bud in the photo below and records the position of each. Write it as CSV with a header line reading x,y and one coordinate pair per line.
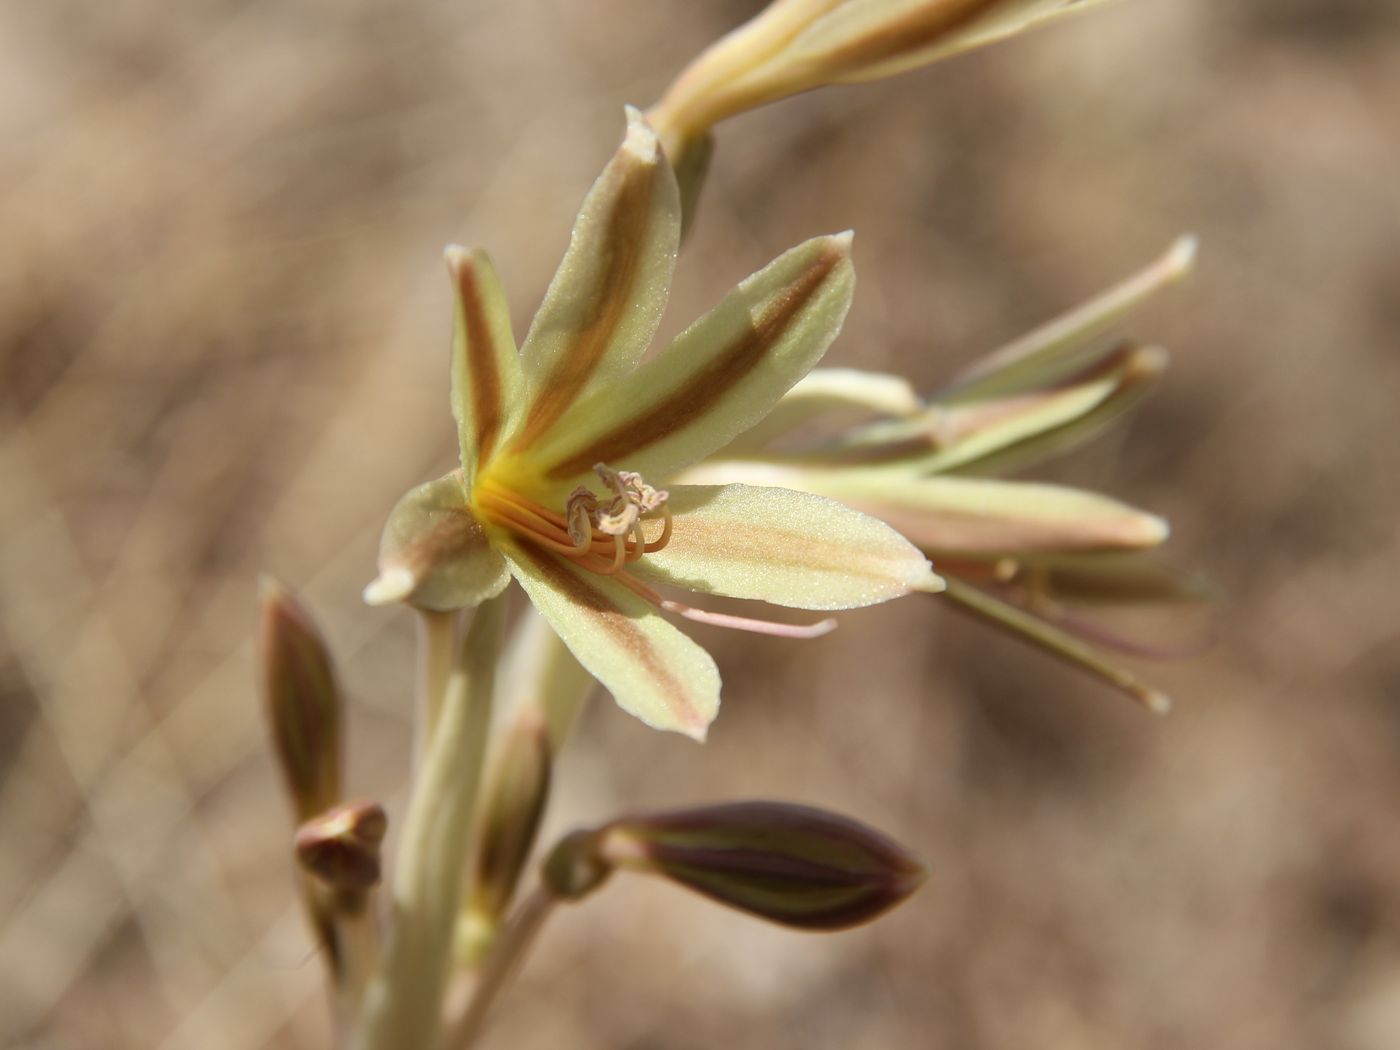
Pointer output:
x,y
341,847
790,864
796,45
434,554
302,702
514,804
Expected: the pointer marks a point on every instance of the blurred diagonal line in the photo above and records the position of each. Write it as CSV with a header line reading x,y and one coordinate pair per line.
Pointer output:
x,y
82,689
257,995
144,785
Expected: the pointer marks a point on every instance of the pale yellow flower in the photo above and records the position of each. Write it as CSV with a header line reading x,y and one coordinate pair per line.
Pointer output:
x,y
565,444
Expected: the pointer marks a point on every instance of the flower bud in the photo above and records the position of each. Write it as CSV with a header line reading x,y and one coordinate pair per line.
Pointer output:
x,y
341,846
790,864
511,814
796,45
302,702
434,553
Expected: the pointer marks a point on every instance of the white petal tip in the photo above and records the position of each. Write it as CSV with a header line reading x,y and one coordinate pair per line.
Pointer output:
x,y
697,733
1180,259
1147,362
930,583
391,585
456,257
641,140
1155,530
1157,703
843,239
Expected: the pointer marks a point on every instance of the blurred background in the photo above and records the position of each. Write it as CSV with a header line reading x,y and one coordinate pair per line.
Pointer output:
x,y
223,334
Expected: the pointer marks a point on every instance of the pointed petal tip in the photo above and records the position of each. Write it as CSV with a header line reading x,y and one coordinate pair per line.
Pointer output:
x,y
459,257
1180,259
930,583
843,240
391,585
270,589
641,140
1146,362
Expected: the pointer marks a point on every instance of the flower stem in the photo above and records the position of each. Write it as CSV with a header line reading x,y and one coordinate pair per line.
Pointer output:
x,y
403,1001
501,965
437,645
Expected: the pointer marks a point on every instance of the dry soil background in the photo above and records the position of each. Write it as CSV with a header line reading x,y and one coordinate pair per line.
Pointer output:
x,y
223,326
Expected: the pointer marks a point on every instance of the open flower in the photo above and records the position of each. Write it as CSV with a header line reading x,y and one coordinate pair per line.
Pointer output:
x,y
1020,554
564,447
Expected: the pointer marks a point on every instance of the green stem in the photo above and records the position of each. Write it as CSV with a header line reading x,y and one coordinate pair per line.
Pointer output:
x,y
501,965
437,653
403,1002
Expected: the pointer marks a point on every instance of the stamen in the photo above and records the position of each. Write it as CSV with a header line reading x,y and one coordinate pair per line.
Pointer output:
x,y
619,556
598,534
665,537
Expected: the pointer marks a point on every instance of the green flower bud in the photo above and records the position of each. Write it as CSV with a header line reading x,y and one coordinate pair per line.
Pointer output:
x,y
302,702
789,864
511,815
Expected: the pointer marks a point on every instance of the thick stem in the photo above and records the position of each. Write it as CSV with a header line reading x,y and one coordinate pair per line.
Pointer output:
x,y
403,1002
505,959
437,652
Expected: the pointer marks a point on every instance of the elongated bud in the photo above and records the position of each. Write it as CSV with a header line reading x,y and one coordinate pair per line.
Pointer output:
x,y
302,702
341,847
511,815
796,45
790,864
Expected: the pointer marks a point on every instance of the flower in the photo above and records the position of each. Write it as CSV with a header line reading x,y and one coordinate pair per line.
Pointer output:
x,y
797,45
564,444
1015,553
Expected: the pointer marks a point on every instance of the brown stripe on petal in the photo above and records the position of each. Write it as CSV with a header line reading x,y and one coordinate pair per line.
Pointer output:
x,y
920,28
706,387
610,300
623,629
483,372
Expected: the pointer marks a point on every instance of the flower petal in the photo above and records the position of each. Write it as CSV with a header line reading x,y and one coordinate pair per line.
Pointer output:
x,y
829,392
653,670
988,436
868,39
434,553
1044,355
955,515
486,377
606,299
718,378
785,547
